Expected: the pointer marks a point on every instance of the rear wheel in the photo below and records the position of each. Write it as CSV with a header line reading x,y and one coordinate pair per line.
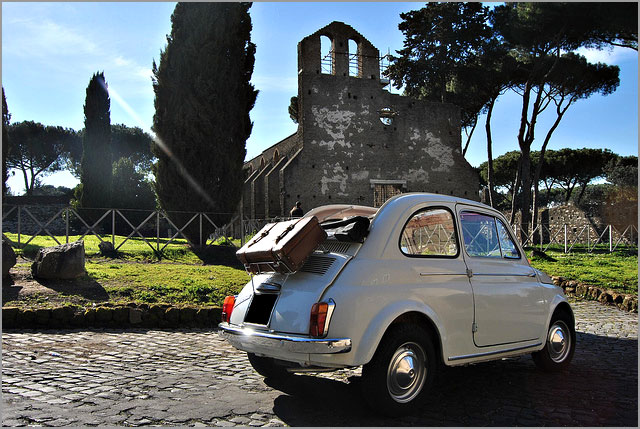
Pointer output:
x,y
559,347
267,367
401,371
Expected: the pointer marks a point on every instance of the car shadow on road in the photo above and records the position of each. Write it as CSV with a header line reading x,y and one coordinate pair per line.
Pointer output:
x,y
599,389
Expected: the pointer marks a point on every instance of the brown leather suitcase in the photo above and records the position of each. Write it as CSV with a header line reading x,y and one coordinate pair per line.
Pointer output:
x,y
283,246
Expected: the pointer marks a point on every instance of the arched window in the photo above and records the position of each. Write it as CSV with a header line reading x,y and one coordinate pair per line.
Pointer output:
x,y
354,59
326,55
276,156
261,163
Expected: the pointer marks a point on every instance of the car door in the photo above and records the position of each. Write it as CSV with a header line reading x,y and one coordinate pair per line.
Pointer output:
x,y
431,252
509,305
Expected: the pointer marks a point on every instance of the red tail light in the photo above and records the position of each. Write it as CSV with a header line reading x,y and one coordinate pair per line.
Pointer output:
x,y
227,308
318,319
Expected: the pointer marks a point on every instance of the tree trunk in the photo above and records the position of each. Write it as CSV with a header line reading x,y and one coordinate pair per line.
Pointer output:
x,y
526,192
516,185
489,152
26,181
466,145
560,113
583,188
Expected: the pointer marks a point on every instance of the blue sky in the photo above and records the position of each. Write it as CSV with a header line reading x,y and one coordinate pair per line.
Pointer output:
x,y
51,50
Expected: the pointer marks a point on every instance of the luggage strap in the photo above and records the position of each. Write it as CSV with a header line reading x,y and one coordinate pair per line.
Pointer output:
x,y
261,236
285,232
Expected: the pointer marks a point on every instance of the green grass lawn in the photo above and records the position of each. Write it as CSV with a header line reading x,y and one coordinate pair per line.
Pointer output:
x,y
180,277
617,271
134,249
167,283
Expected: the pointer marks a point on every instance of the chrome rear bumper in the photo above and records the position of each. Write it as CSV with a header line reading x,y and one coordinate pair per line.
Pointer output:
x,y
248,339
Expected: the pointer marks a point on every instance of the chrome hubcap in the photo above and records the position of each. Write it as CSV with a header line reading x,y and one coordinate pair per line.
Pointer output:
x,y
559,341
407,372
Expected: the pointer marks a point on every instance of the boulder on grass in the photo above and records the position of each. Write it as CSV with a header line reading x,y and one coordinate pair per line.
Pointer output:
x,y
107,249
8,257
60,262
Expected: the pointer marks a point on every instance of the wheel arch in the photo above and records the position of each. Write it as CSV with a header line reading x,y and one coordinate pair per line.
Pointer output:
x,y
402,312
422,320
564,307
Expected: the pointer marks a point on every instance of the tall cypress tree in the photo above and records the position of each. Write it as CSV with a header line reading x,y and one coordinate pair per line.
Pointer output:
x,y
96,169
5,142
203,99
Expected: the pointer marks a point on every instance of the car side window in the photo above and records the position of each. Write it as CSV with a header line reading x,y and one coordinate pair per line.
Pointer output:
x,y
509,248
430,232
480,235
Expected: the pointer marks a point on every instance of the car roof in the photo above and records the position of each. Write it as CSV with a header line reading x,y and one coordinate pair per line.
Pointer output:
x,y
411,198
340,211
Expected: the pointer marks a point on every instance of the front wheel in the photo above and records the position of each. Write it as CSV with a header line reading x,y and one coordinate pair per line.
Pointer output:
x,y
267,367
560,345
401,370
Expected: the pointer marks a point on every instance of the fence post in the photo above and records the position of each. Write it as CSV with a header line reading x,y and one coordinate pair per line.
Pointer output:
x,y
200,229
241,230
610,239
113,227
541,234
565,238
66,225
588,238
158,232
19,223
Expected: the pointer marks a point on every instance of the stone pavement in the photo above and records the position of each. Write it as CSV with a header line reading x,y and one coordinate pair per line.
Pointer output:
x,y
192,377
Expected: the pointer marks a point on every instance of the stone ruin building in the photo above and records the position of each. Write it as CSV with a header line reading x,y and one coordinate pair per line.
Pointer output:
x,y
356,142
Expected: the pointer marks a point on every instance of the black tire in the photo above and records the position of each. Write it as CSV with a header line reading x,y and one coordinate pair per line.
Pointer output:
x,y
401,371
559,346
267,367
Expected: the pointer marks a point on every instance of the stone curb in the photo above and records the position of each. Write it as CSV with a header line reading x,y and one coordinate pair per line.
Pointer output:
x,y
108,316
623,301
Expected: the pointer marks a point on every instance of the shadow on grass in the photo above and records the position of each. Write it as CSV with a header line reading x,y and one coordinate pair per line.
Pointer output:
x,y
218,255
86,287
10,290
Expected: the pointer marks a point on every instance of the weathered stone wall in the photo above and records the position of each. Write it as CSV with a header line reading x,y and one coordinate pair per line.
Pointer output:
x,y
273,189
582,227
353,133
43,213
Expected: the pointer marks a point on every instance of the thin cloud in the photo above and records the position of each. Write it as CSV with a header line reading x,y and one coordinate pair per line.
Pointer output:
x,y
30,38
275,83
607,56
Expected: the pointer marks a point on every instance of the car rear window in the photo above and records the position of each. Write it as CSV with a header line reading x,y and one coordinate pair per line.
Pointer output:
x,y
430,232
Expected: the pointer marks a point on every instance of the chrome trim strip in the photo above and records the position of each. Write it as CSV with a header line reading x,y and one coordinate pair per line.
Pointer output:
x,y
243,337
504,274
497,352
443,274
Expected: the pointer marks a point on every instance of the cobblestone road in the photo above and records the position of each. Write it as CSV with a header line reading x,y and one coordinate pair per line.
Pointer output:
x,y
192,377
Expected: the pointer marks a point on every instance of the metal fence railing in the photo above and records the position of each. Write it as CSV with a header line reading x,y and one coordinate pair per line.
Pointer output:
x,y
158,228
568,237
154,227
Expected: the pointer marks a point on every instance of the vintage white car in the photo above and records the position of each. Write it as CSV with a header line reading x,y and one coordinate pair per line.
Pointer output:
x,y
438,280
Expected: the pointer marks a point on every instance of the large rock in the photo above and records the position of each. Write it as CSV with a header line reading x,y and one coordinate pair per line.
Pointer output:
x,y
8,257
60,262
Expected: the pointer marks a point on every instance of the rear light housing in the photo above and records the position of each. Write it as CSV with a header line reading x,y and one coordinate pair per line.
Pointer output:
x,y
320,317
227,308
